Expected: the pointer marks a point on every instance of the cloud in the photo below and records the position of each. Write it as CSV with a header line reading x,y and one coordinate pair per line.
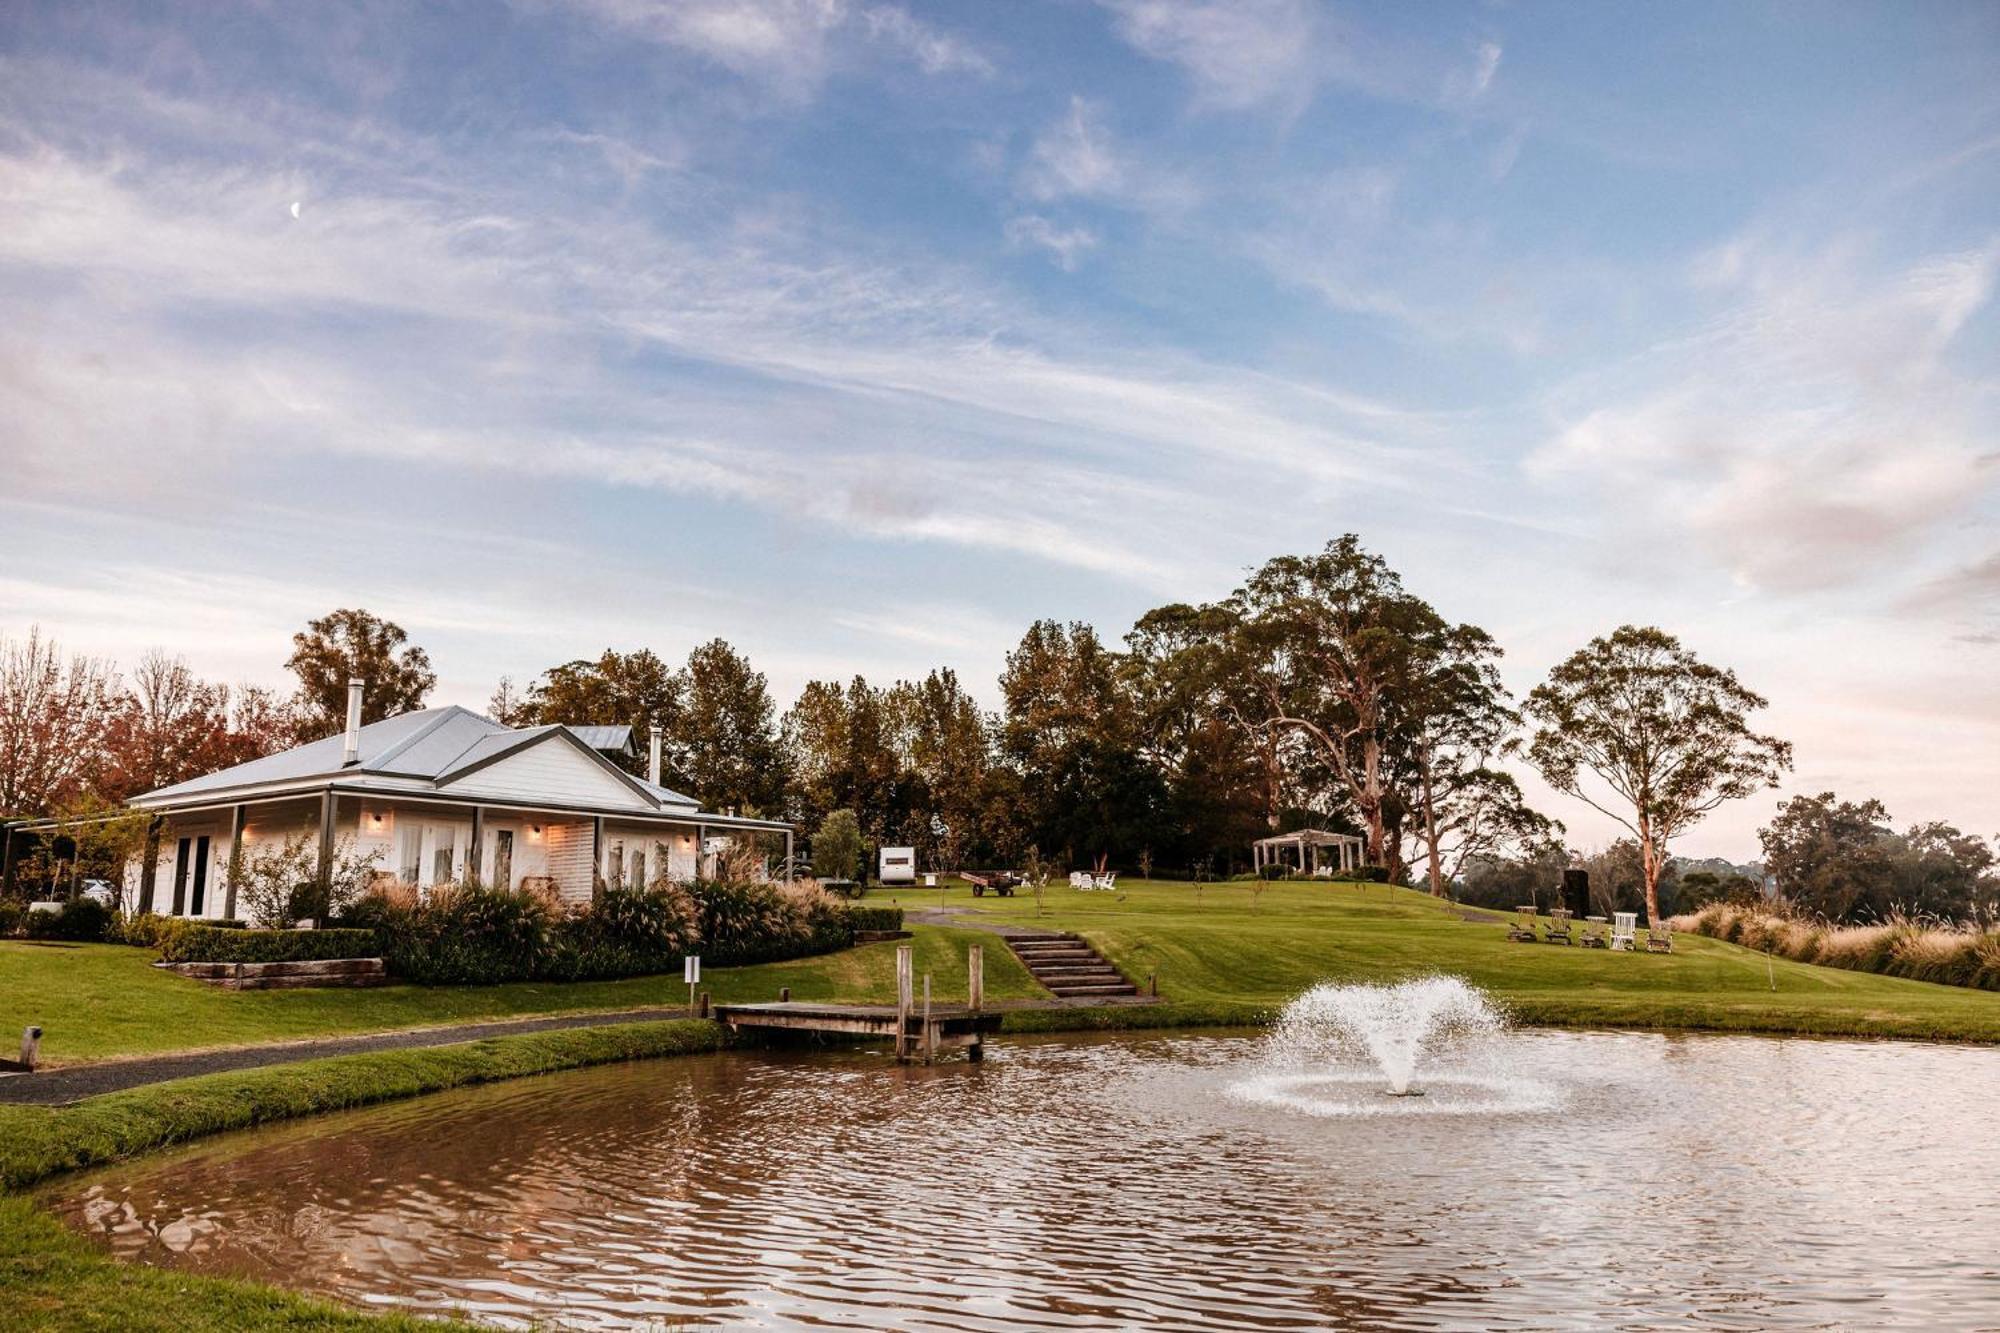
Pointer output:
x,y
1065,244
792,45
512,330
1078,157
1471,84
1238,53
1814,434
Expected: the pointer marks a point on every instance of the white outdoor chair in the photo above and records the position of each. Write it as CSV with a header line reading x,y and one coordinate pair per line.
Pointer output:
x,y
1624,929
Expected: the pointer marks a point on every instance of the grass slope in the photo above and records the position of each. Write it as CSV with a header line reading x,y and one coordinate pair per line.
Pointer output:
x,y
1210,948
96,1001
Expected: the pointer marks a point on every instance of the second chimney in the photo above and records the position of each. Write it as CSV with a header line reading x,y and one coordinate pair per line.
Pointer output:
x,y
351,754
653,757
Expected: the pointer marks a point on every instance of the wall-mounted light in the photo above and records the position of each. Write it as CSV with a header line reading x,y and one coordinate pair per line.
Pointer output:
x,y
377,821
534,833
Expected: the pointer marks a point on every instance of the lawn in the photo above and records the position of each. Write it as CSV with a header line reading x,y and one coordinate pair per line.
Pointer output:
x,y
96,1001
1216,944
1215,949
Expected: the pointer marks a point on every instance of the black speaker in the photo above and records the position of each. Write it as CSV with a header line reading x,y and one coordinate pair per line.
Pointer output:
x,y
1576,892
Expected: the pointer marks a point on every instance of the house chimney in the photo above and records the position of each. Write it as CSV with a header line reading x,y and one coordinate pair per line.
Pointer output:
x,y
653,757
352,754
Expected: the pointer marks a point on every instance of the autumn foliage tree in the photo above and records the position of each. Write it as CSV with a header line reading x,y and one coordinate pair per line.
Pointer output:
x,y
55,712
1665,735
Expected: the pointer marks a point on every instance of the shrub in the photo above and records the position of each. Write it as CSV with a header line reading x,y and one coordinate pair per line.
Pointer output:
x,y
626,933
78,919
1274,872
197,943
861,918
741,921
1366,874
1898,947
466,934
10,918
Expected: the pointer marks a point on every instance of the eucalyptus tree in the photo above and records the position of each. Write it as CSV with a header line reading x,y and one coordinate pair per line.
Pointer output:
x,y
1666,736
1451,724
1323,643
351,644
1199,727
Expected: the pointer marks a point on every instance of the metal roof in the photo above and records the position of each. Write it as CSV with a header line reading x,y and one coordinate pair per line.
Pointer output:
x,y
608,739
411,753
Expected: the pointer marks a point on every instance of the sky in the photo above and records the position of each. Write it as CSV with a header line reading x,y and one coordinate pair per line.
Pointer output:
x,y
862,334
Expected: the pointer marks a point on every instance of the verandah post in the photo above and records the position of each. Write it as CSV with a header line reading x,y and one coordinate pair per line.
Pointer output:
x,y
329,806
234,873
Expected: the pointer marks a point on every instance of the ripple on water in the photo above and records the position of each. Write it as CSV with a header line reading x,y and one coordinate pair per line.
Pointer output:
x,y
1630,1180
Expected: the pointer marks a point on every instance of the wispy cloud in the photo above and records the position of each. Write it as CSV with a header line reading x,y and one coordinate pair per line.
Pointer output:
x,y
1066,245
792,45
1079,157
1237,53
1815,433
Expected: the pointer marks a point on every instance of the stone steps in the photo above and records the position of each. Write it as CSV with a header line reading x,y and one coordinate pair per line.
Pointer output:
x,y
1067,967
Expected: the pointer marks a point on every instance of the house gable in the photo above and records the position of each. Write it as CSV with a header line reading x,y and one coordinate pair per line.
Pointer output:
x,y
555,770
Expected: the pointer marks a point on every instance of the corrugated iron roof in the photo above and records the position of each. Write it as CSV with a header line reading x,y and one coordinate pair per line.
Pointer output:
x,y
411,751
611,740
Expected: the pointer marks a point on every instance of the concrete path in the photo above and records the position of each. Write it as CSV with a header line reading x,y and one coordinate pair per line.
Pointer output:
x,y
50,1087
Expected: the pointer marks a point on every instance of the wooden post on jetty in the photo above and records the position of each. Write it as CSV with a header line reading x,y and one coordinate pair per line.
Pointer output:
x,y
930,1029
975,996
904,983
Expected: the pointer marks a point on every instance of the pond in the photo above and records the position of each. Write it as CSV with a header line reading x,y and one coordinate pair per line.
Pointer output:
x,y
1625,1180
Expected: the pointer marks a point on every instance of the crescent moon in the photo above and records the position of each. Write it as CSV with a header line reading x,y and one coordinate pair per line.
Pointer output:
x,y
295,208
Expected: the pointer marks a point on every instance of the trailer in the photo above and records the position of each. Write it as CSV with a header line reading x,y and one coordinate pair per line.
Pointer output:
x,y
899,865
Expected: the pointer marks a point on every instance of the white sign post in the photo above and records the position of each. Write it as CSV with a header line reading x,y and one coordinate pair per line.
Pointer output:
x,y
691,973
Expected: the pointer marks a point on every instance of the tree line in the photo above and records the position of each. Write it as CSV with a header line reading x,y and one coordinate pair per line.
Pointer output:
x,y
1321,693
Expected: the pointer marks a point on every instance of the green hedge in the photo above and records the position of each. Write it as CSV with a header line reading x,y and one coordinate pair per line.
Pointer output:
x,y
874,918
217,944
78,919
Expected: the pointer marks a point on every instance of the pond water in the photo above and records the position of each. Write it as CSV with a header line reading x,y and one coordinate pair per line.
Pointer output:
x,y
1556,1180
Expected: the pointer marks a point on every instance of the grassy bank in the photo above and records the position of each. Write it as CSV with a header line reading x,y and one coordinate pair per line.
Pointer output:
x,y
52,1279
98,1001
1217,946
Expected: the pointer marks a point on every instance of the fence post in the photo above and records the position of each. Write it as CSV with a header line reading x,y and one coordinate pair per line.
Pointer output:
x,y
975,980
31,1048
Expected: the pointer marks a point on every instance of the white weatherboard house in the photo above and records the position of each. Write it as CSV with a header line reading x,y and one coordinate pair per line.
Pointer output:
x,y
439,796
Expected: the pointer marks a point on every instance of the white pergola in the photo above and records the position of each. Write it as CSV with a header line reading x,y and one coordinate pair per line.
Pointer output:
x,y
1308,846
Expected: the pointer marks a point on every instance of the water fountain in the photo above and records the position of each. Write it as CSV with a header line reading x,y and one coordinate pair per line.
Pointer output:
x,y
1337,1050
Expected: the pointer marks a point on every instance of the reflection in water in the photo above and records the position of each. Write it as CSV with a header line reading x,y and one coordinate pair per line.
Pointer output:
x,y
1733,1182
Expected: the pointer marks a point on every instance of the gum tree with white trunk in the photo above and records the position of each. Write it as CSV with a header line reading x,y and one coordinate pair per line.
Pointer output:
x,y
1665,735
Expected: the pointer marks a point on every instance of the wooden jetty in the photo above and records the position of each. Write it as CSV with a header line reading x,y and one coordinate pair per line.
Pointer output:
x,y
919,1028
